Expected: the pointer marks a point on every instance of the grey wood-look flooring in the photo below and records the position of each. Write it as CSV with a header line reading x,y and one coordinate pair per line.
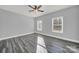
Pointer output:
x,y
28,44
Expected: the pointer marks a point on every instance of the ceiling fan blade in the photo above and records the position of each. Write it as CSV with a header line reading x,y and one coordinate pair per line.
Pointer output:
x,y
31,10
39,6
41,10
31,6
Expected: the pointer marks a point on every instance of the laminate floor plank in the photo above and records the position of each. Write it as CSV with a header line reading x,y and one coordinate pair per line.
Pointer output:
x,y
28,44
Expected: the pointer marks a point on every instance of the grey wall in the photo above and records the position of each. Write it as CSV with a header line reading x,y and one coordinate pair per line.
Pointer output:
x,y
12,24
71,23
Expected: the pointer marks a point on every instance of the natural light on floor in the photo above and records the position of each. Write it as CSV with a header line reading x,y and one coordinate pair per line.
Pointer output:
x,y
41,47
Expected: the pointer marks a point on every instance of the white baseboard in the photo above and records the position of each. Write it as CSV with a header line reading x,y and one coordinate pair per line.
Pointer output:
x,y
15,36
67,39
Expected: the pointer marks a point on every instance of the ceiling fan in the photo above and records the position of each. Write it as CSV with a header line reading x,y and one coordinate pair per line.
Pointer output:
x,y
35,8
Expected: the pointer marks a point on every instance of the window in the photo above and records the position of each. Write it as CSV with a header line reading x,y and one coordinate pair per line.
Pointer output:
x,y
57,24
39,25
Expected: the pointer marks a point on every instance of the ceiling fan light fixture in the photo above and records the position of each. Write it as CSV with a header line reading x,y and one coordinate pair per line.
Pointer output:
x,y
36,8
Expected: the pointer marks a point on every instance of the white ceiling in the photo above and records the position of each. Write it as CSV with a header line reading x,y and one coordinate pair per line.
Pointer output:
x,y
24,9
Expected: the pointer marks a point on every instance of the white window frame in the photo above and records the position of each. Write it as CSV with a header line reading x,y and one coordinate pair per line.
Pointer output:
x,y
60,24
39,25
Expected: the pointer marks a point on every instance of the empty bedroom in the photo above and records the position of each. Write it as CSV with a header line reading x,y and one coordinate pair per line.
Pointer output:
x,y
39,28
